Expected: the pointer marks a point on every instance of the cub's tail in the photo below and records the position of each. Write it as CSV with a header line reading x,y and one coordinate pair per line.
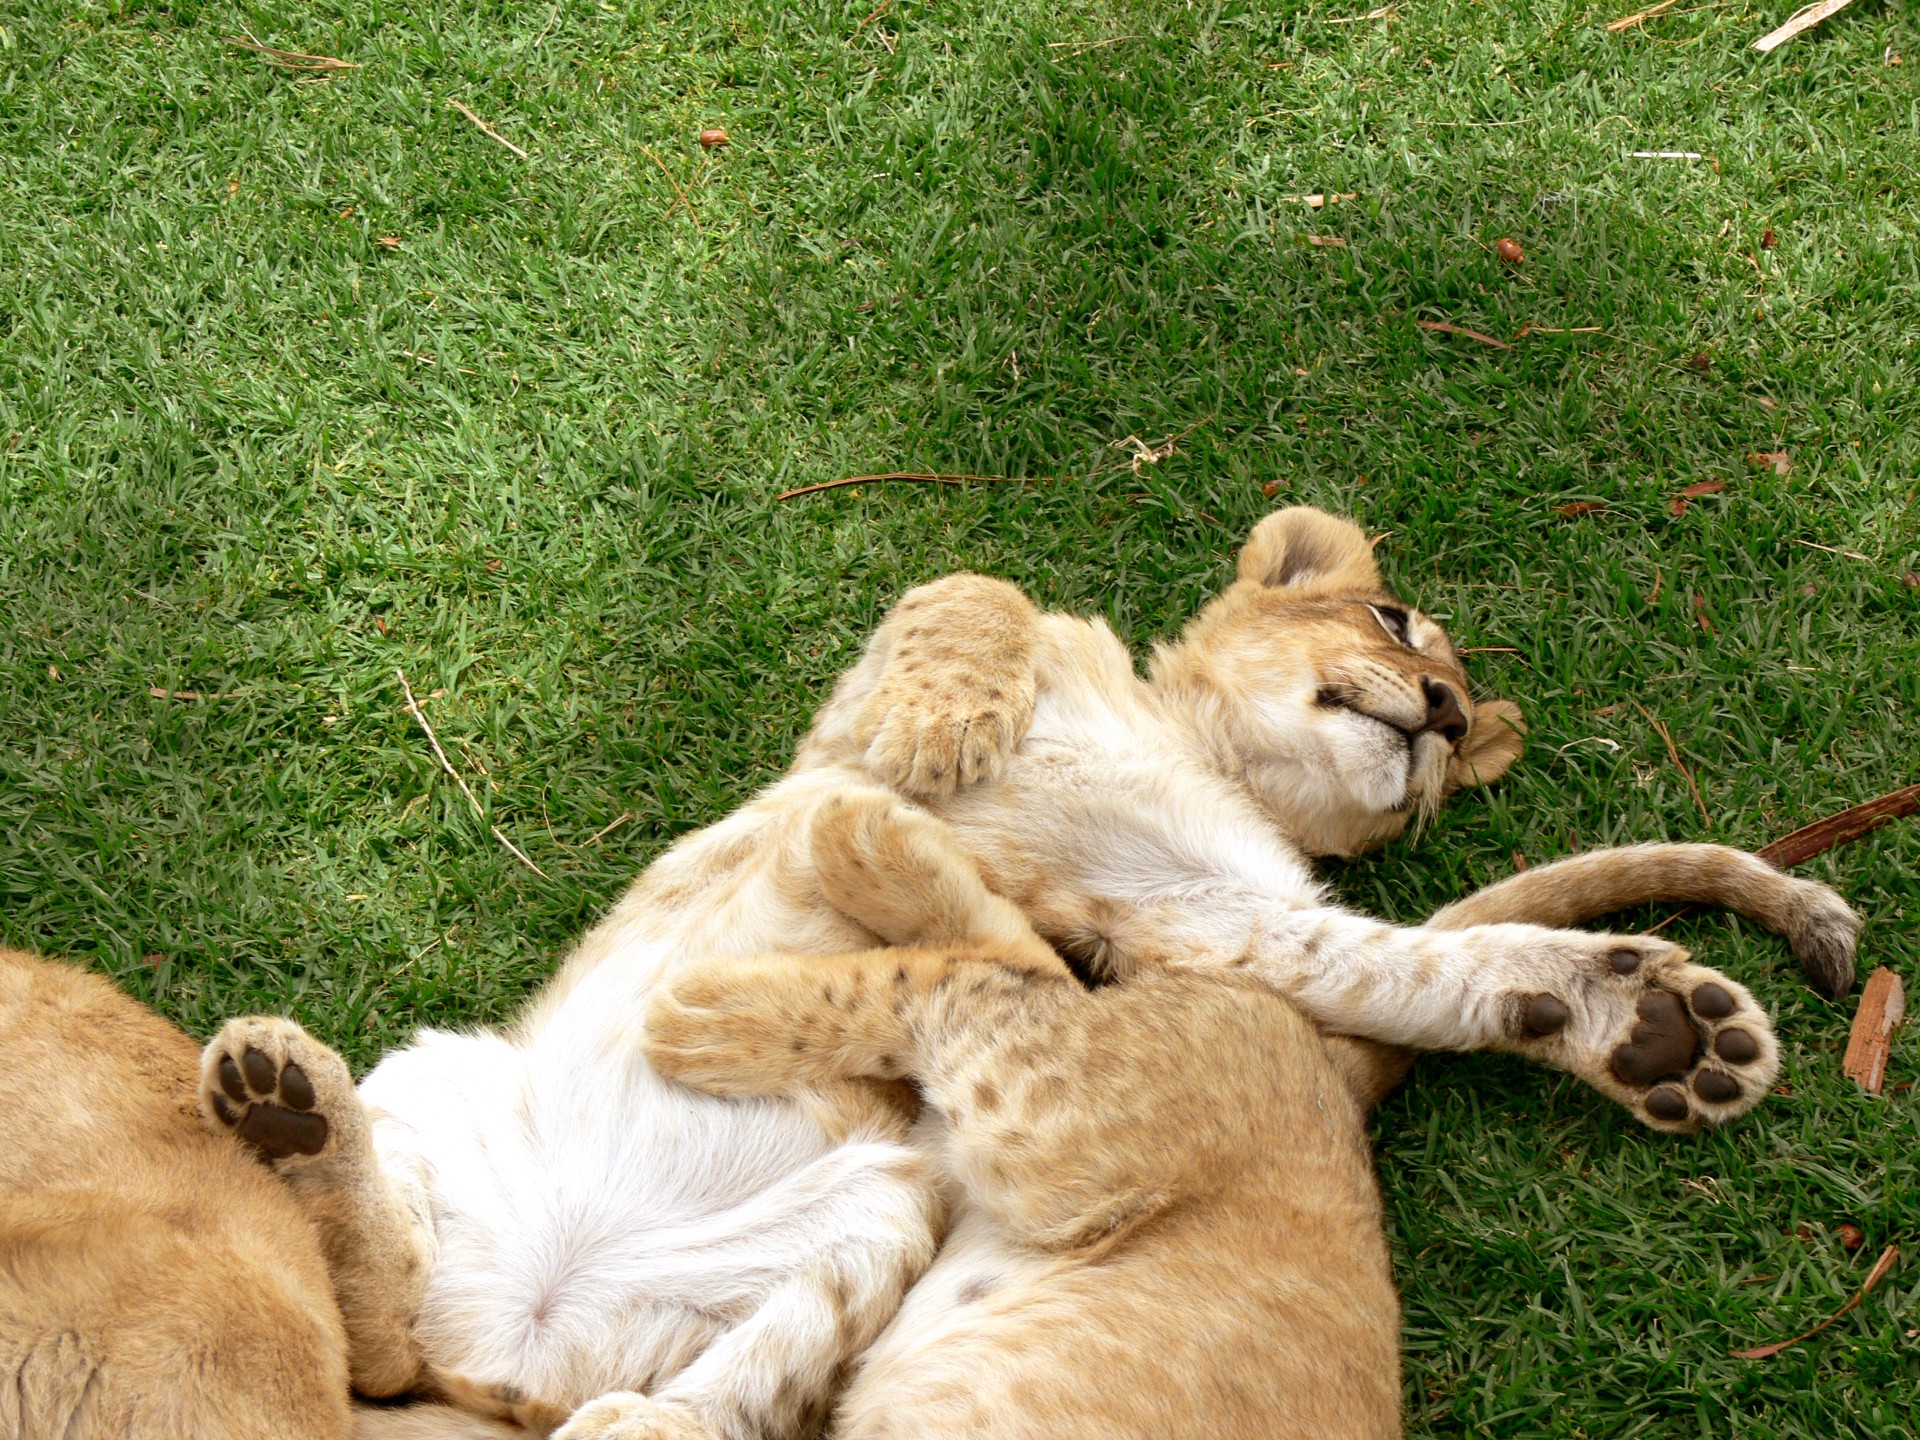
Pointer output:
x,y
1816,922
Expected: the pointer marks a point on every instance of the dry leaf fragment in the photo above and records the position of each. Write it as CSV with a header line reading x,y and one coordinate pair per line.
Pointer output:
x,y
1889,1257
1777,461
1270,487
1509,250
1910,580
1315,202
388,242
1705,487
1519,861
1851,1236
1328,242
1767,402
1578,508
1677,506
1768,239
1700,361
1883,1005
1700,613
1849,825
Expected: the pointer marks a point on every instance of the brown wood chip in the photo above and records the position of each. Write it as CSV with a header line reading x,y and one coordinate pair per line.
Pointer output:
x,y
1883,1004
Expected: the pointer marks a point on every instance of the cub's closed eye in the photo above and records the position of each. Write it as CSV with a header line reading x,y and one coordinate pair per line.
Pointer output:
x,y
1393,620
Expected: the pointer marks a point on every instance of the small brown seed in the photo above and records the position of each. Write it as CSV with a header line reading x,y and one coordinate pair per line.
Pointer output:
x,y
713,139
1509,251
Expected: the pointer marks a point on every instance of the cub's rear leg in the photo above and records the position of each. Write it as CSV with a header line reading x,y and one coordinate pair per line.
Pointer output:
x,y
1816,922
279,1090
897,871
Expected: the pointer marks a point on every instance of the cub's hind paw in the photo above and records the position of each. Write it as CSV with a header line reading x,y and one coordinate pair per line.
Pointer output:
x,y
1680,1045
274,1086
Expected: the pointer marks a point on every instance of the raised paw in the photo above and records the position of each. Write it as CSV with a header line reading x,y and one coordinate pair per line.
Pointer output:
x,y
1678,1044
929,743
277,1088
628,1416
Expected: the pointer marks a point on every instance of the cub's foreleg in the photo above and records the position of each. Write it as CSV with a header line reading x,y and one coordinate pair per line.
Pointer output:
x,y
292,1099
1816,921
1676,1043
944,692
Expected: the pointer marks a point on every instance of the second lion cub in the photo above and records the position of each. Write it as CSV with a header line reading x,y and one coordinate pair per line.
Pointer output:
x,y
1174,1177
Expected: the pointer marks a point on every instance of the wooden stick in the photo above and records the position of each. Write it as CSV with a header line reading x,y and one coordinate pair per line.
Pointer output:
x,y
488,131
1843,829
1802,19
1446,329
1673,754
1883,1005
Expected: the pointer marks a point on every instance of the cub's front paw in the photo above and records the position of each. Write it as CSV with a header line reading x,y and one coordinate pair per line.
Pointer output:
x,y
625,1415
934,733
281,1091
1678,1044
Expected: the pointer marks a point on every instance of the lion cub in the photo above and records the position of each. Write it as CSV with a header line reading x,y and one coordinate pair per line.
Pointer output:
x,y
156,1282
1173,1176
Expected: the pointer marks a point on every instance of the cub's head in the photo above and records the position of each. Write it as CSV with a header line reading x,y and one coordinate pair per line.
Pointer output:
x,y
1343,707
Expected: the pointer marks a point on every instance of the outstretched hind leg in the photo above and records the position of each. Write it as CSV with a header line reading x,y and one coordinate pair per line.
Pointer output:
x,y
280,1091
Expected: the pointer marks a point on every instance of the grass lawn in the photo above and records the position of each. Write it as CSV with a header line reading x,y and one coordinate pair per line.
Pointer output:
x,y
306,379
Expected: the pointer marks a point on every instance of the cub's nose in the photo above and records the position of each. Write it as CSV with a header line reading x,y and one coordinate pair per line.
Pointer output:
x,y
1444,712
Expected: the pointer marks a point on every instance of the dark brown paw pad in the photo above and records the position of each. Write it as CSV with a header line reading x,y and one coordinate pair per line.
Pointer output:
x,y
269,1106
1663,1044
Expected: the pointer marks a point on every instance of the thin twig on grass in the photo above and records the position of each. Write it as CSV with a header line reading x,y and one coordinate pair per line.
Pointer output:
x,y
1804,18
1143,454
1889,1257
1627,22
1383,12
1445,328
160,692
288,59
1673,754
678,188
1080,47
413,706
488,131
923,476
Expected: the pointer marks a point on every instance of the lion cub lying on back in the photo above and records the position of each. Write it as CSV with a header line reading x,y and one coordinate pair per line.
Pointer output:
x,y
1174,1179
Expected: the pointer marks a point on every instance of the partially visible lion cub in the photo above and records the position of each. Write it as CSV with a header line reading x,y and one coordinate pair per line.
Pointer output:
x,y
1172,1175
156,1281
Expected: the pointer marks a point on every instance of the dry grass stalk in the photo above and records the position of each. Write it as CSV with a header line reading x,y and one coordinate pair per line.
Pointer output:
x,y
288,59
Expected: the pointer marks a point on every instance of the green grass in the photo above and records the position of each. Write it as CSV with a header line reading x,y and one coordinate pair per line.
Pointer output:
x,y
531,454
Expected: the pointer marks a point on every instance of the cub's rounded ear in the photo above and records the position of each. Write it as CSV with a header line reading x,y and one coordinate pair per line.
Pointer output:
x,y
1491,746
1308,547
